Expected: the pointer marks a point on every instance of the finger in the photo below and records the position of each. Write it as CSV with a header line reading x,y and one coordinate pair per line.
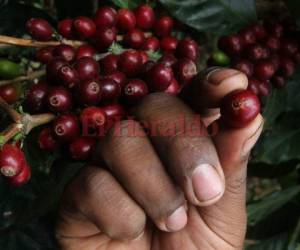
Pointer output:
x,y
187,151
132,159
95,202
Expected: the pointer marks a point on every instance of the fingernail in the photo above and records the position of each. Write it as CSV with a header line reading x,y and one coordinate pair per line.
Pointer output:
x,y
250,142
206,182
177,220
216,76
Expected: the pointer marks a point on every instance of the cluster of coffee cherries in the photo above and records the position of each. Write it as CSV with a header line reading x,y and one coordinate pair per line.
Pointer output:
x,y
267,53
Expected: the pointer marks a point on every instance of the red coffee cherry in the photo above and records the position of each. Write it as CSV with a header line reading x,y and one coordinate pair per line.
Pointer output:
x,y
68,76
174,88
275,59
39,29
163,26
135,38
65,52
239,108
273,43
185,70
151,43
274,28
66,127
244,66
110,90
22,178
36,97
160,77
89,92
109,64
114,112
146,68
144,56
169,44
130,63
84,27
253,86
264,88
59,100
257,52
106,17
168,60
126,20
118,77
264,70
289,47
81,148
12,160
259,31
104,37
93,121
44,55
232,45
287,66
85,51
65,28
53,68
145,17
47,140
9,93
248,36
188,48
87,68
135,90
278,81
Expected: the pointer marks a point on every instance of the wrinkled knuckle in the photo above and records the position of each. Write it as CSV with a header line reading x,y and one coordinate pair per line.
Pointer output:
x,y
154,101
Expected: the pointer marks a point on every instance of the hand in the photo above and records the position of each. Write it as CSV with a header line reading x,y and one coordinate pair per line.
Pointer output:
x,y
171,193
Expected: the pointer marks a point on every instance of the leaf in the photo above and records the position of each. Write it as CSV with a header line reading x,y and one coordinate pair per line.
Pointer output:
x,y
128,4
213,16
258,211
277,242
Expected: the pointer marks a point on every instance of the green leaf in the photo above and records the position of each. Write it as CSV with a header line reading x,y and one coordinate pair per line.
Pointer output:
x,y
213,16
128,4
258,211
277,242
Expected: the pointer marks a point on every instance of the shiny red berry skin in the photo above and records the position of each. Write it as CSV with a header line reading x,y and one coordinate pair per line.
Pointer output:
x,y
81,148
68,76
160,77
289,47
188,48
114,111
110,90
163,26
248,36
144,56
151,43
239,108
275,59
135,90
39,29
84,27
130,63
44,55
232,45
264,70
66,127
9,93
22,178
253,85
168,60
106,17
109,64
244,66
169,44
259,31
118,77
53,68
126,20
36,97
185,70
90,92
145,17
146,68
264,88
287,66
104,37
85,51
257,52
93,121
174,88
135,38
47,140
278,82
59,100
273,43
65,28
65,52
12,160
87,68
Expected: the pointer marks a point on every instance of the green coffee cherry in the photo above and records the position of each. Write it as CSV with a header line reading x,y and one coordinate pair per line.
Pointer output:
x,y
9,69
220,58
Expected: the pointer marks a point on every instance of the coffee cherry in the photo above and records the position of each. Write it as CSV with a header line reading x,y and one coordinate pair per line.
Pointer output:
x,y
126,20
273,43
110,90
65,28
65,52
163,26
287,66
68,76
104,37
135,38
87,68
44,55
12,160
59,100
232,45
289,47
257,52
264,70
248,36
89,92
66,127
130,63
146,68
39,29
145,17
85,51
160,77
118,77
135,90
109,64
36,97
106,17
93,121
169,44
274,28
151,43
47,140
244,66
188,48
81,148
275,59
239,108
259,31
53,68
264,88
185,70
278,82
253,86
22,178
9,93
144,56
114,111
174,88
168,60
84,27
219,58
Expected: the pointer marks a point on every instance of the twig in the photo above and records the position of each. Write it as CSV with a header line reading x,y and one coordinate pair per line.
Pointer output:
x,y
31,76
10,132
11,112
